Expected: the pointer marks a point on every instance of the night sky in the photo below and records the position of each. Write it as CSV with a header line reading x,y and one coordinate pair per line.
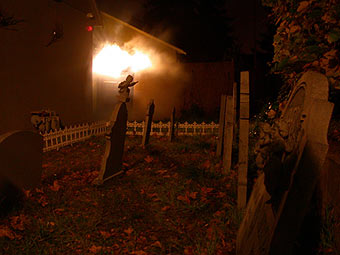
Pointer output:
x,y
241,11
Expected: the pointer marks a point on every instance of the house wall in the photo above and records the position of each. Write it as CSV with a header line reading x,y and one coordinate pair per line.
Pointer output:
x,y
206,84
164,82
35,77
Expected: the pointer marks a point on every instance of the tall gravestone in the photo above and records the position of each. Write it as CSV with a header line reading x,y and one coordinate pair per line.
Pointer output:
x,y
228,134
21,158
20,166
115,136
172,125
148,122
221,127
291,153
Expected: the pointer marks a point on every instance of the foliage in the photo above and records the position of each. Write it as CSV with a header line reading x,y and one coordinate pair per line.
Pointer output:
x,y
307,38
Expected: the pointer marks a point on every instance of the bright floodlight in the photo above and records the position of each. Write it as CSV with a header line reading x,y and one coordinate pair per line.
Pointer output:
x,y
113,61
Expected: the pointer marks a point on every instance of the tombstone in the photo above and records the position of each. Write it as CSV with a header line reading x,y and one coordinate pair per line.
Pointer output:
x,y
115,136
219,150
172,125
243,141
228,134
296,147
21,158
148,123
115,139
21,162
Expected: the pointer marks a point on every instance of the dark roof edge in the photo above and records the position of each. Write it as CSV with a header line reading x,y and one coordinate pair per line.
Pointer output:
x,y
178,50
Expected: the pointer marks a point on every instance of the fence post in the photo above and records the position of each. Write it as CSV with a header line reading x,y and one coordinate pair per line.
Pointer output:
x,y
243,141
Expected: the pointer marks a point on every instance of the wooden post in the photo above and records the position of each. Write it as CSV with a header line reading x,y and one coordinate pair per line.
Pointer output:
x,y
228,134
243,141
172,125
219,150
148,122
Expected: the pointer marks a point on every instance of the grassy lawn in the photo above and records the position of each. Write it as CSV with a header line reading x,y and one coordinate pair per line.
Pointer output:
x,y
172,199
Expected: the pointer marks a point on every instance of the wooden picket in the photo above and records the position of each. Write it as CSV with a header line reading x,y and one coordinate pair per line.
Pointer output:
x,y
56,139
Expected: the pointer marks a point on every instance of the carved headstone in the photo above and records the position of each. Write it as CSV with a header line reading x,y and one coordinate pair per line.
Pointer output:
x,y
293,151
172,125
21,158
114,148
148,122
219,150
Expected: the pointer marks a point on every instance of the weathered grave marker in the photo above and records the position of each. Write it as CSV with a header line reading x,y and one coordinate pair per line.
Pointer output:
x,y
296,150
115,137
21,158
243,141
172,125
219,149
228,134
148,122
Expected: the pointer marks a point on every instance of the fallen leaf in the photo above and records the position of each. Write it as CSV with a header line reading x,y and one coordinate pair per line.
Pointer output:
x,y
17,222
148,159
193,195
95,249
55,187
184,198
152,195
303,5
139,253
221,194
188,250
157,244
59,211
206,190
161,171
105,234
206,164
165,208
128,231
7,232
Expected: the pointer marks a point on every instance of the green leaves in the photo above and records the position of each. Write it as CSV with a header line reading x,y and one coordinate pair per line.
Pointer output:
x,y
333,35
306,31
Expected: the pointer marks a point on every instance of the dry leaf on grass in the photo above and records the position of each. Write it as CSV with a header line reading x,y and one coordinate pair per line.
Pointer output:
x,y
95,249
128,231
148,159
55,187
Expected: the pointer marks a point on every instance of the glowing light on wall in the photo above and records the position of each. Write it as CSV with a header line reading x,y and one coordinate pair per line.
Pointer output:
x,y
115,62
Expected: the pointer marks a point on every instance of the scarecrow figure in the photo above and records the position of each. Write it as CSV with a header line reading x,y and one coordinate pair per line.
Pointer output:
x,y
124,88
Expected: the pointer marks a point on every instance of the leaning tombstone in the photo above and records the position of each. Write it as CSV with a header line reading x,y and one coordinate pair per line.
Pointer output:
x,y
148,122
219,149
172,125
228,135
21,163
291,153
115,136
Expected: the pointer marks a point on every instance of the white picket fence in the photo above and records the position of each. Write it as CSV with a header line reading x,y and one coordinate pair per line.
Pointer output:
x,y
73,134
